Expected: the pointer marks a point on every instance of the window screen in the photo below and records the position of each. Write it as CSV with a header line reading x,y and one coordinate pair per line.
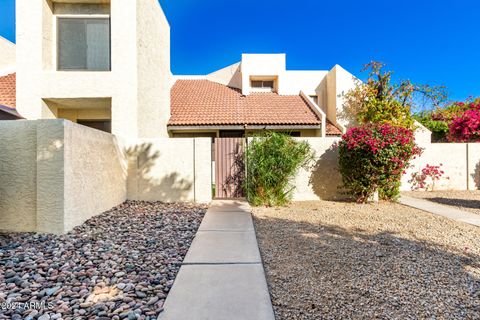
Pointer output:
x,y
262,84
84,44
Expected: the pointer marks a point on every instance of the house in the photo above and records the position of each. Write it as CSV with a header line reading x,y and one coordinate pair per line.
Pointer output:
x,y
255,94
101,63
7,56
98,64
7,98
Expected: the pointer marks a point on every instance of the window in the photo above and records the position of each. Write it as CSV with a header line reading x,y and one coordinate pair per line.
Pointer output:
x,y
83,44
263,85
102,125
315,99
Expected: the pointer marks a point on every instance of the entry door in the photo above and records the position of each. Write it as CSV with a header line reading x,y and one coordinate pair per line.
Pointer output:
x,y
229,167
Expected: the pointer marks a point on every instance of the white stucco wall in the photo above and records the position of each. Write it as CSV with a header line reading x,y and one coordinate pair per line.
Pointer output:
x,y
18,176
473,166
154,75
453,156
56,174
7,55
171,170
338,82
321,179
95,173
230,76
140,64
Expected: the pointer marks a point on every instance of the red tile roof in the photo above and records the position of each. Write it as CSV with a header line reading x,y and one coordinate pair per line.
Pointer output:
x,y
203,102
8,91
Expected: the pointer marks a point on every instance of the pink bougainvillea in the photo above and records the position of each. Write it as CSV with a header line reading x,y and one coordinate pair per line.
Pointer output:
x,y
427,177
373,158
466,127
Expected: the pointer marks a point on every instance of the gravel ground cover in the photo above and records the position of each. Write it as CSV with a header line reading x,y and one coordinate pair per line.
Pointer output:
x,y
119,265
465,200
338,260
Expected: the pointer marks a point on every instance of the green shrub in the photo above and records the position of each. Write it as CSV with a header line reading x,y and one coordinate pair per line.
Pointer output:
x,y
374,158
273,159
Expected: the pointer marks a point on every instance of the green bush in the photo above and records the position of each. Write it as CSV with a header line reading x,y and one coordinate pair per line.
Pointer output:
x,y
273,159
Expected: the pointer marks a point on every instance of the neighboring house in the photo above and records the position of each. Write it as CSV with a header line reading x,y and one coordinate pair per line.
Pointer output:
x,y
7,98
106,65
255,94
7,56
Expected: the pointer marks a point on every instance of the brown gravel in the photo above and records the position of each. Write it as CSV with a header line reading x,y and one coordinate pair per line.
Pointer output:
x,y
465,200
335,260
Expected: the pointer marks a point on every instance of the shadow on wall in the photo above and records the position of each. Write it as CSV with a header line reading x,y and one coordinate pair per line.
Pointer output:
x,y
149,180
355,270
325,178
476,176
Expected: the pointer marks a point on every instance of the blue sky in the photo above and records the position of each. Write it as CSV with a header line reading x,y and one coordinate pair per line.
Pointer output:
x,y
427,41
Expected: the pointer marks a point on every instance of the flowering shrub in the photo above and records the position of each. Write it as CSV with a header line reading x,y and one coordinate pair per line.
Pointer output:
x,y
426,178
440,120
466,127
373,157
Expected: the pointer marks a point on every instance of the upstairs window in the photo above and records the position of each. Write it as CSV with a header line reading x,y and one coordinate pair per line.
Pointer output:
x,y
263,85
84,44
315,99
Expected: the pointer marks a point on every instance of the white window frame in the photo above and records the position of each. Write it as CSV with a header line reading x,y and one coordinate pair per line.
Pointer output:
x,y
264,79
55,49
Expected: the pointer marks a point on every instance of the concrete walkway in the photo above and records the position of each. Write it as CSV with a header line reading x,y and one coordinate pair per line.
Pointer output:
x,y
222,276
442,210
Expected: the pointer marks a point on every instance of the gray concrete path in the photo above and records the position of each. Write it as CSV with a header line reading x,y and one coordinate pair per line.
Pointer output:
x,y
222,276
442,210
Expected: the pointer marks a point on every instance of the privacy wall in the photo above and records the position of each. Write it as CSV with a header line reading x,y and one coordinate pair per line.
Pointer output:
x,y
461,163
55,174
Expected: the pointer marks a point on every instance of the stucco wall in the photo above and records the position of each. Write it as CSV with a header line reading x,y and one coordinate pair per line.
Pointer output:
x,y
138,83
8,54
171,170
154,76
461,163
321,179
95,176
56,174
18,176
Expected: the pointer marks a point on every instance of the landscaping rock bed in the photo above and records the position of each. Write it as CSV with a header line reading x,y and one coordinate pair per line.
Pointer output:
x,y
464,200
334,260
119,265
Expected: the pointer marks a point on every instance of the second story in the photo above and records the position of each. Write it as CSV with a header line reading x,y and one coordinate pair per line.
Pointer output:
x,y
108,57
261,73
7,56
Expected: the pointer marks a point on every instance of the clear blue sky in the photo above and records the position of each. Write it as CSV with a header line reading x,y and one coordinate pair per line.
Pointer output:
x,y
427,41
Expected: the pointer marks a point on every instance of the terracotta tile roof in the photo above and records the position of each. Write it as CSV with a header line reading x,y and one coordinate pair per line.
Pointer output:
x,y
203,102
8,91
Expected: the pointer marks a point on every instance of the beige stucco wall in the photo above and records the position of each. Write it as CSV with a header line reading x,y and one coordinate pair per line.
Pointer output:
x,y
136,111
473,166
84,114
18,176
154,76
171,170
338,83
95,173
7,55
56,174
229,76
453,156
321,179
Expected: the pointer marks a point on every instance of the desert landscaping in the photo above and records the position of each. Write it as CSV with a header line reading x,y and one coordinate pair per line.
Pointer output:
x,y
332,260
